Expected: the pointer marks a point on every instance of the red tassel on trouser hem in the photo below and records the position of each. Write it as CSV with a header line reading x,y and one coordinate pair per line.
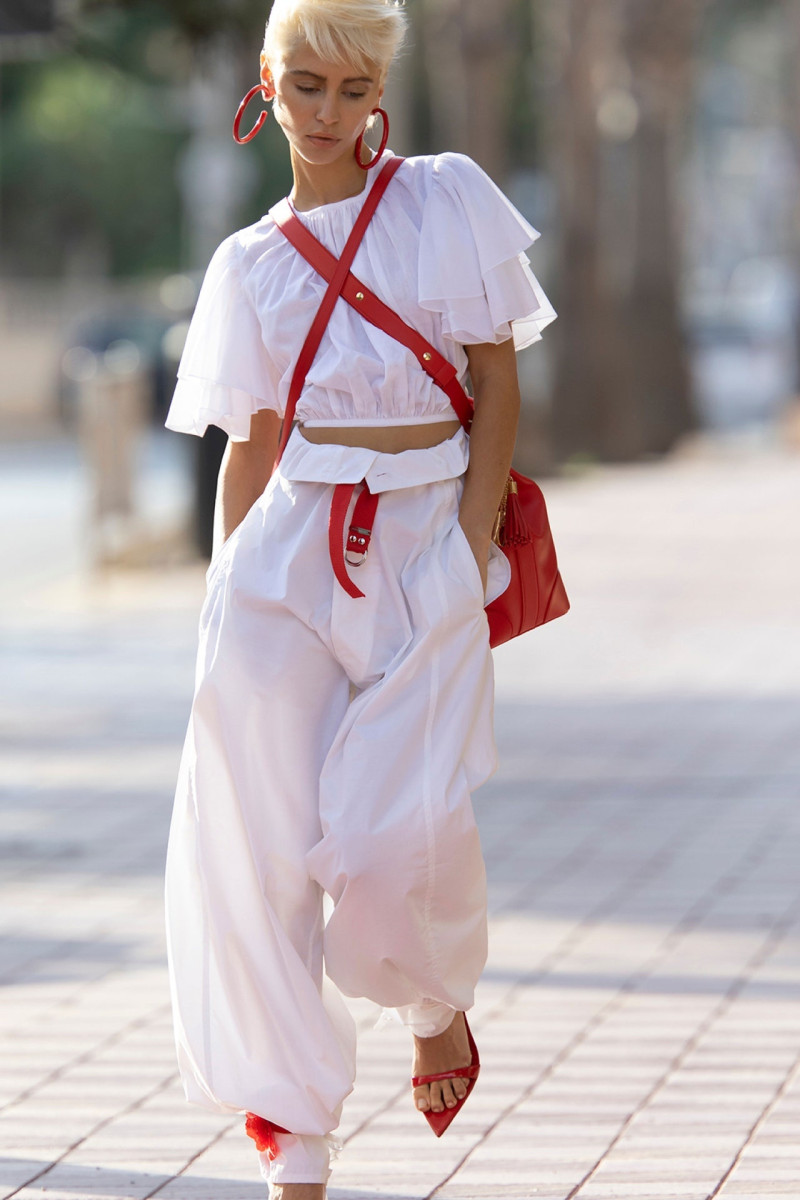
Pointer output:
x,y
263,1134
298,1159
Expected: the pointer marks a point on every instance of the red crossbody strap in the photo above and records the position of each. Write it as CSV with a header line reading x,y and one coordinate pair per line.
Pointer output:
x,y
359,297
440,369
284,217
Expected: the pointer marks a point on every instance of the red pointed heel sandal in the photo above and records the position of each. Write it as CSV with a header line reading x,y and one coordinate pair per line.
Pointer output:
x,y
439,1121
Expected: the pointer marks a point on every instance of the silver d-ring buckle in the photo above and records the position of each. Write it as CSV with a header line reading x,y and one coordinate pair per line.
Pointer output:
x,y
358,543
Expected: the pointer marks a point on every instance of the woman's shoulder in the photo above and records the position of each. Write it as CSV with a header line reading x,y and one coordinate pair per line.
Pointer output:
x,y
258,243
462,199
443,163
454,188
253,235
229,256
448,169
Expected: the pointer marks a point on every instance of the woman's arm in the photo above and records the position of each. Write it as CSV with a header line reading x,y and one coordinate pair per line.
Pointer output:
x,y
493,371
244,473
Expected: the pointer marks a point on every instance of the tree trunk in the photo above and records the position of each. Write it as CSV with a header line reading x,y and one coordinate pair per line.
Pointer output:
x,y
621,385
791,93
659,41
469,48
591,377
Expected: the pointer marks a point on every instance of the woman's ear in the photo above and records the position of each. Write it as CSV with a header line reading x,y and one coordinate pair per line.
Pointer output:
x,y
266,73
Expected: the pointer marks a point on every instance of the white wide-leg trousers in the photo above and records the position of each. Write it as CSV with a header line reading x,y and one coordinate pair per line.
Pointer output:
x,y
332,747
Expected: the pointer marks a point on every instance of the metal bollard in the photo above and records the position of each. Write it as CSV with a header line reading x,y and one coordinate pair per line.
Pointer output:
x,y
112,413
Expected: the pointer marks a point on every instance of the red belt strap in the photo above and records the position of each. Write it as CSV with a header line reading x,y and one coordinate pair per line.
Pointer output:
x,y
358,535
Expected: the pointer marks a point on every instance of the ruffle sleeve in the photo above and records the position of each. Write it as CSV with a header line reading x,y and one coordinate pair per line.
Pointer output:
x,y
225,373
472,263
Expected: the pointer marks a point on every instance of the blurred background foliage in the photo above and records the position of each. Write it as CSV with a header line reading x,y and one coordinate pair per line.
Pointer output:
x,y
654,143
91,133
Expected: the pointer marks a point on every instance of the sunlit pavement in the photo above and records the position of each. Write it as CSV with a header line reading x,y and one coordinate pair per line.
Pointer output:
x,y
639,1018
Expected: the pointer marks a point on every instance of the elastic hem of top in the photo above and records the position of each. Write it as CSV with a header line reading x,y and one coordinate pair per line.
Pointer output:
x,y
377,422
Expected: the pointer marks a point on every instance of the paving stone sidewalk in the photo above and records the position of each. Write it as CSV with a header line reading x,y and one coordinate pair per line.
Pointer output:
x,y
639,1018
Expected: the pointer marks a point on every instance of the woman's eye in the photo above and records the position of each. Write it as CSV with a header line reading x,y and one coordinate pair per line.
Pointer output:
x,y
310,89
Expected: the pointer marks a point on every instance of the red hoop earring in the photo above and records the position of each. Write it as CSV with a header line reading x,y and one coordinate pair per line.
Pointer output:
x,y
381,148
268,94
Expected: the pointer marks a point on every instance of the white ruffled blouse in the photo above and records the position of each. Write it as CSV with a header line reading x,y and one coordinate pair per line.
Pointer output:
x,y
445,249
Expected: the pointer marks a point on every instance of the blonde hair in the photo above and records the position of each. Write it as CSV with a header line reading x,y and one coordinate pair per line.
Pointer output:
x,y
361,32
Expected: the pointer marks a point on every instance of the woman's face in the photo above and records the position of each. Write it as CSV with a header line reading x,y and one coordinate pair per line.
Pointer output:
x,y
322,107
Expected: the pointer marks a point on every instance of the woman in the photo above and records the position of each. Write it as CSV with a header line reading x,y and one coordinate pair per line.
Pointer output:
x,y
336,735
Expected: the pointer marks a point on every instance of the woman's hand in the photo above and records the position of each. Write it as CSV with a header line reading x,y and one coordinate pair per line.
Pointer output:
x,y
493,371
244,473
479,545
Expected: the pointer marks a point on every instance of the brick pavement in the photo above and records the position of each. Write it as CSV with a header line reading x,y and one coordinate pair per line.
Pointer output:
x,y
638,1020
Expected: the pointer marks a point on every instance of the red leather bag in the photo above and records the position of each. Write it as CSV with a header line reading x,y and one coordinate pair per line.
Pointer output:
x,y
536,593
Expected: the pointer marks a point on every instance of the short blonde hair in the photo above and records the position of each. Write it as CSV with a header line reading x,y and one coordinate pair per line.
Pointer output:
x,y
361,32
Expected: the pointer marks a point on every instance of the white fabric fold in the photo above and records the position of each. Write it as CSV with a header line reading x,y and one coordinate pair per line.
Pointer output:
x,y
225,373
472,267
326,462
198,403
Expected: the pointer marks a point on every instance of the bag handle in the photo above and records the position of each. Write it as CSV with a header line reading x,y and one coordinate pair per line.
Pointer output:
x,y
336,281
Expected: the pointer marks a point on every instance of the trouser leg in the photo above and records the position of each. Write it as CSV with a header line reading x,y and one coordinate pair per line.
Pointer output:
x,y
400,852
258,1027
299,1160
426,1019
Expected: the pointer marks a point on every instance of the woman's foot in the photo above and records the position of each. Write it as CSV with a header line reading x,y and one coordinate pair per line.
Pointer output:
x,y
297,1191
444,1052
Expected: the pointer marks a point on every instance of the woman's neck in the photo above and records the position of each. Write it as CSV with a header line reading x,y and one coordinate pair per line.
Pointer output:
x,y
316,185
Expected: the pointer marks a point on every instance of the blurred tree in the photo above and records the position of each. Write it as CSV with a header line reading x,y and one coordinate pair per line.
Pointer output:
x,y
92,134
476,55
592,368
659,39
791,93
32,17
620,100
88,147
197,20
87,169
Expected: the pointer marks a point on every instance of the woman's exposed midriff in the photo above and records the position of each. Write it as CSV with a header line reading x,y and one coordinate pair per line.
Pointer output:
x,y
387,439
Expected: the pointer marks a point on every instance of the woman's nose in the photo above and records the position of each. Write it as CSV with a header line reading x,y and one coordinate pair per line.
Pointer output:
x,y
328,111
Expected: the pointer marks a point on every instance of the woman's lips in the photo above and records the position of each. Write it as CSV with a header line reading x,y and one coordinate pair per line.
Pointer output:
x,y
322,139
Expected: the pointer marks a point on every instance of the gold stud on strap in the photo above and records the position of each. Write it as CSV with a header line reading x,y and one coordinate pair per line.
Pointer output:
x,y
426,356
359,295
